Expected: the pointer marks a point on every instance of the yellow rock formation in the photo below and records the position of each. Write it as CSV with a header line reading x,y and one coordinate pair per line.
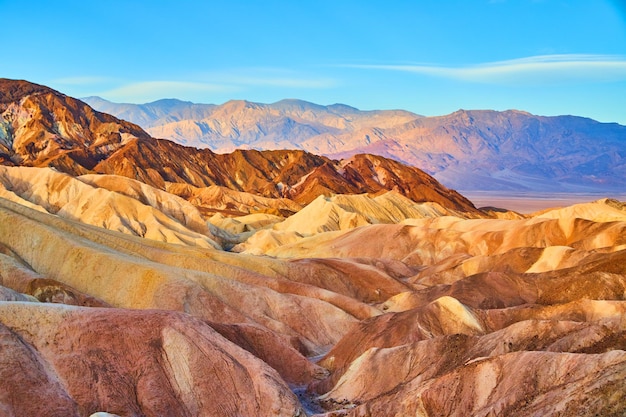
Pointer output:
x,y
526,315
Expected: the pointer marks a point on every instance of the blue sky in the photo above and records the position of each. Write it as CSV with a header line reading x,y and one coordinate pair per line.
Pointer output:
x,y
431,57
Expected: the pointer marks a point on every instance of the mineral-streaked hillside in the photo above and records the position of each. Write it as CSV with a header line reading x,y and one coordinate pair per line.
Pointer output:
x,y
467,150
121,297
526,315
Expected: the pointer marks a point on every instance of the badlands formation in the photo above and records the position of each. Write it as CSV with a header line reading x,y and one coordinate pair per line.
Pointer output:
x,y
169,293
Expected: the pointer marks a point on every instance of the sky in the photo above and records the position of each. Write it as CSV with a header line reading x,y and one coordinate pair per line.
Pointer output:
x,y
432,57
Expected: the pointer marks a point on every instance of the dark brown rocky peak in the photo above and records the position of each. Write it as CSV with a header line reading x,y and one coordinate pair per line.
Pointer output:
x,y
294,174
42,127
15,90
381,173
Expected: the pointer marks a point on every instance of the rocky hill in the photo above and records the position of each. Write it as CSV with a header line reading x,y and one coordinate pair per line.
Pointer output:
x,y
467,150
42,127
526,315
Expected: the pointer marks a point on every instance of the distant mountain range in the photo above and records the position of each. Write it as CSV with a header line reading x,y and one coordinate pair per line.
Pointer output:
x,y
466,150
41,127
287,124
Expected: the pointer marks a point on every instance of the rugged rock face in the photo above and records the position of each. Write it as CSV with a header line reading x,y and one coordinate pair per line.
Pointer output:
x,y
297,175
42,127
81,363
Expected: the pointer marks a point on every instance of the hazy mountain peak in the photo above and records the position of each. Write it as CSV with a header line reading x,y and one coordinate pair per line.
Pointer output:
x,y
296,104
343,107
95,99
295,101
169,102
467,149
241,104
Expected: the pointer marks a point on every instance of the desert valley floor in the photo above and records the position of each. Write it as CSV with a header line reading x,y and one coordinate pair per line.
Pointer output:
x,y
270,284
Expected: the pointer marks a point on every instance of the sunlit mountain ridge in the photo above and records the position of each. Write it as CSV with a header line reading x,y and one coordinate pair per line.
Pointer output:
x,y
466,150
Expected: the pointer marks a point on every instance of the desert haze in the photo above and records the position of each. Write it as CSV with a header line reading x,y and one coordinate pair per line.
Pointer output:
x,y
141,277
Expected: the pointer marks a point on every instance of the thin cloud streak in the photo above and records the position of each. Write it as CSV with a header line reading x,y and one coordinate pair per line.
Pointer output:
x,y
285,82
196,87
83,80
542,69
153,90
269,77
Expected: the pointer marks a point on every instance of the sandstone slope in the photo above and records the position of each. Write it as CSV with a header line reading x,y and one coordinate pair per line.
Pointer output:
x,y
115,203
76,361
222,200
526,317
490,295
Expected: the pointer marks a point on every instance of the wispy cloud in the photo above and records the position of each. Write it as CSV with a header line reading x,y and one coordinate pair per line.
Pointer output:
x,y
153,90
270,77
197,87
286,82
83,80
542,69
